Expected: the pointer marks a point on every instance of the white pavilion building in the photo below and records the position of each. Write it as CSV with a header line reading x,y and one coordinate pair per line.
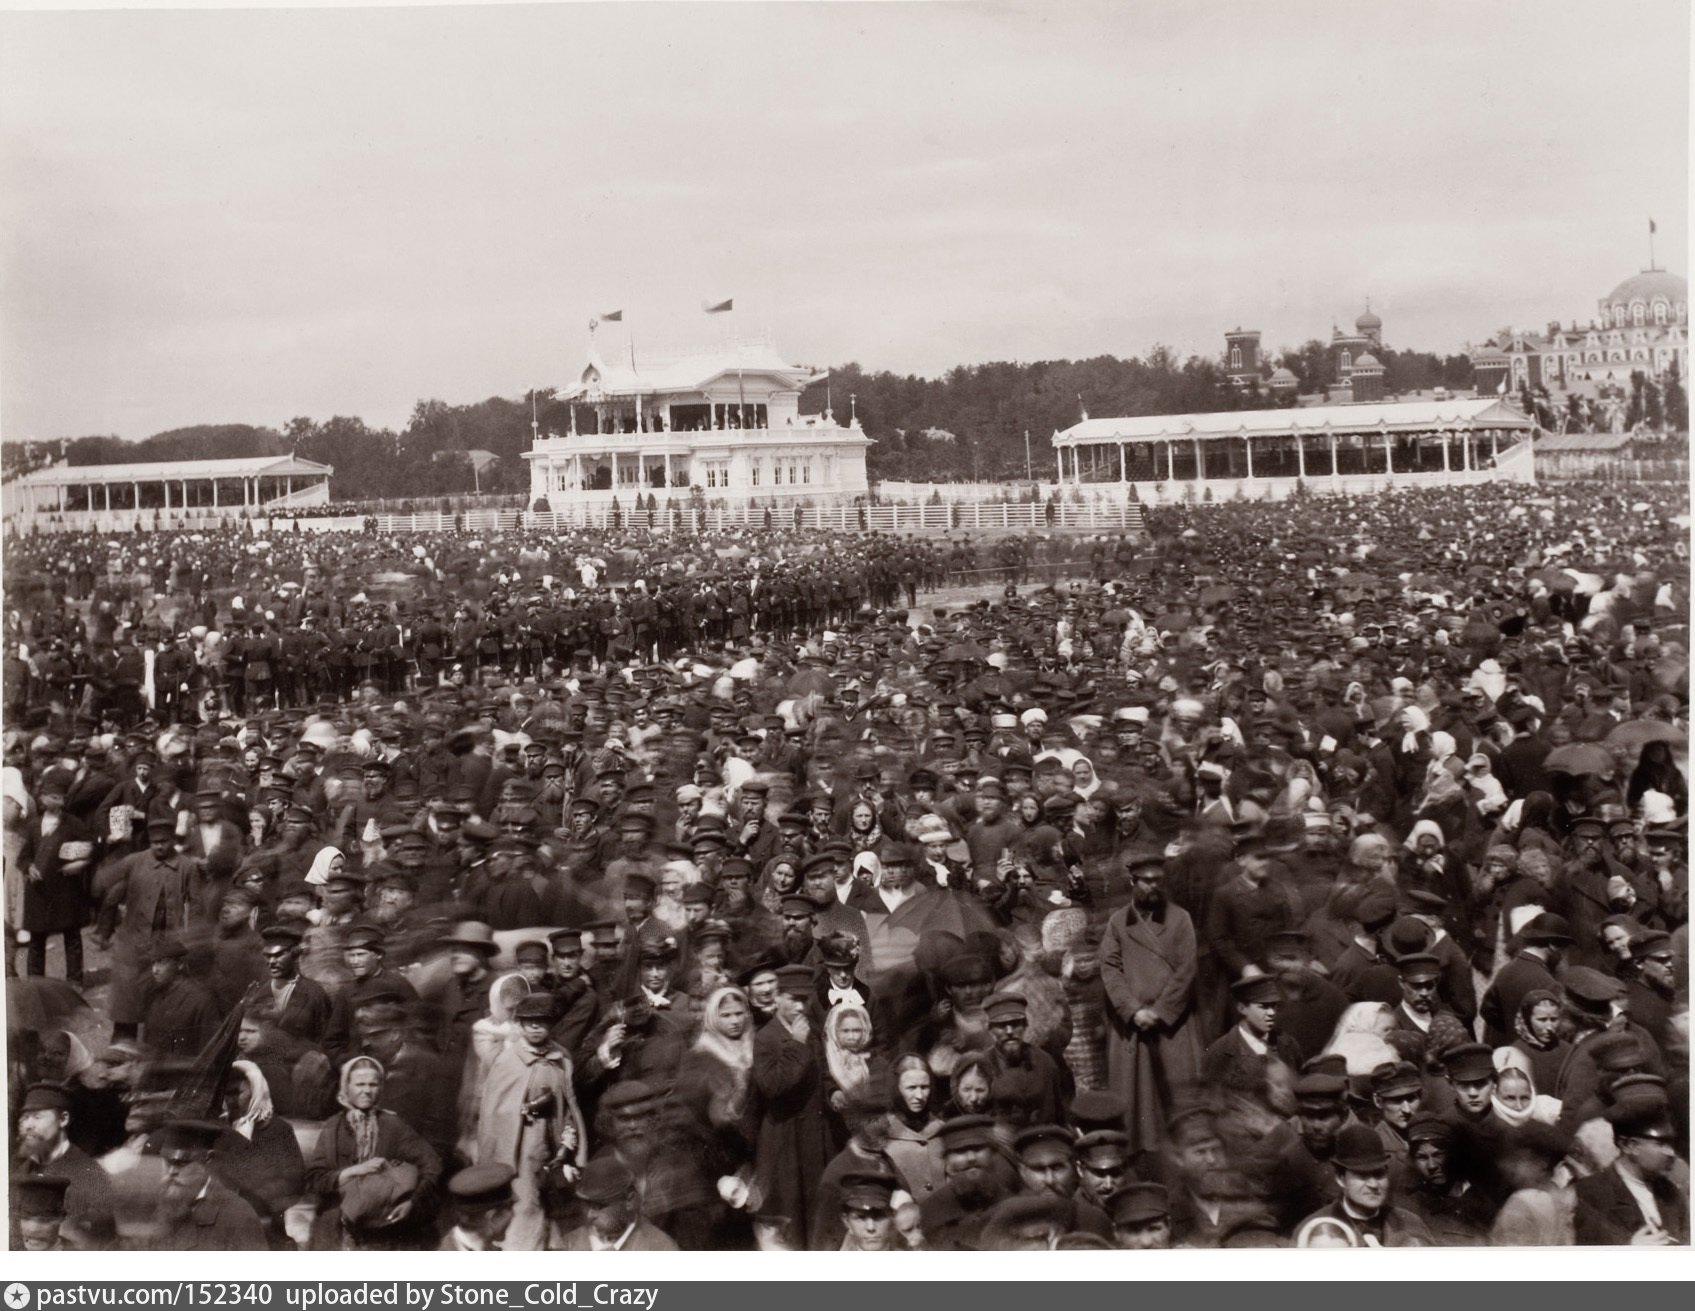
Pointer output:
x,y
725,420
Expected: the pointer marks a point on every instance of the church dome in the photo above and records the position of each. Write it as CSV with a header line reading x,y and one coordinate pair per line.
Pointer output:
x,y
1368,320
1649,286
1367,361
1281,374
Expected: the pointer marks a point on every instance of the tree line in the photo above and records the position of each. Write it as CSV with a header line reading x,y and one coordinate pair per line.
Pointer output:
x,y
967,424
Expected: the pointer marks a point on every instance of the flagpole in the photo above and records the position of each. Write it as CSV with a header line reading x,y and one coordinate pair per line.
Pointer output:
x,y
1651,231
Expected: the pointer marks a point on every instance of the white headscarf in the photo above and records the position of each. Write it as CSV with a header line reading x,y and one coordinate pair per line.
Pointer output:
x,y
258,1113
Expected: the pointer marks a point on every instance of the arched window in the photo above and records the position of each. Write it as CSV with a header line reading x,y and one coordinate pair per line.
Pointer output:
x,y
1618,316
1659,314
1637,313
1347,360
1235,357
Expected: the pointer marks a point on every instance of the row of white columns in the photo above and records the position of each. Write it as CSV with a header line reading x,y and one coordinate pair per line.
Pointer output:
x,y
250,493
1468,461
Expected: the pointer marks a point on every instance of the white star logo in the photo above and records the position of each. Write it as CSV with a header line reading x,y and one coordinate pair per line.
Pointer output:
x,y
17,1296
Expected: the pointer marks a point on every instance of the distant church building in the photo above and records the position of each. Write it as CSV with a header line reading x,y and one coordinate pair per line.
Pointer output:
x,y
1356,373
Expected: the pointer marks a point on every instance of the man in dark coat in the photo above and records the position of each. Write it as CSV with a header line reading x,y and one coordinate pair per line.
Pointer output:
x,y
299,1005
1544,939
1635,1200
953,1216
45,1148
181,1017
196,1212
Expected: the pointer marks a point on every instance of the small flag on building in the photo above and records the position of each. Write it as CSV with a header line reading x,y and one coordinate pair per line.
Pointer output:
x,y
1651,228
718,306
617,316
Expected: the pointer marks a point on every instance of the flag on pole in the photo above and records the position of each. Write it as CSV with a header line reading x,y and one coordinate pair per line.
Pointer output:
x,y
718,306
617,316
1502,389
1651,228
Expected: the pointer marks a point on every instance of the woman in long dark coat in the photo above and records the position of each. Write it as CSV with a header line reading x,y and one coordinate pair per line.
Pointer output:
x,y
796,1140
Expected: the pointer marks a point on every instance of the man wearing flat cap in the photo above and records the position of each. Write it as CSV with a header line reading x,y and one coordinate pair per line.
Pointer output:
x,y
1141,1217
45,1148
972,1164
481,1200
1437,1191
868,1213
1147,967
1241,1060
796,1137
1362,1173
1636,1200
181,1016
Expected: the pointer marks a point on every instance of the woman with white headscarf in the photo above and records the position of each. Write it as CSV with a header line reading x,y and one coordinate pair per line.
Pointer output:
x,y
258,1155
390,1212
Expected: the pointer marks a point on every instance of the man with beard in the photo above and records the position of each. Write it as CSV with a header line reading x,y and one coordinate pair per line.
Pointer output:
x,y
1361,1167
954,1215
45,1148
1545,940
1025,1071
574,997
1148,961
800,915
197,1213
299,1006
1447,1203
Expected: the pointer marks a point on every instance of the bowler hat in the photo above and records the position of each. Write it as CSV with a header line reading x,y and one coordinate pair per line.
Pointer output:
x,y
1360,1150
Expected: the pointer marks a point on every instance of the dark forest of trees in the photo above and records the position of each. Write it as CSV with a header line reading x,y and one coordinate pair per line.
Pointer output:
x,y
967,424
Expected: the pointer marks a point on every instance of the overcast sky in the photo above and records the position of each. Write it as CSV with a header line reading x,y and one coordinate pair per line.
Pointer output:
x,y
245,216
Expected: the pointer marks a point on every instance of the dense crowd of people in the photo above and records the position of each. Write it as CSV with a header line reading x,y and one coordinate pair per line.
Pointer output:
x,y
1309,874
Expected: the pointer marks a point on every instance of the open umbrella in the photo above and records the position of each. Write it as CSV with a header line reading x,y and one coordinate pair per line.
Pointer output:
x,y
1578,759
1639,732
37,1004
